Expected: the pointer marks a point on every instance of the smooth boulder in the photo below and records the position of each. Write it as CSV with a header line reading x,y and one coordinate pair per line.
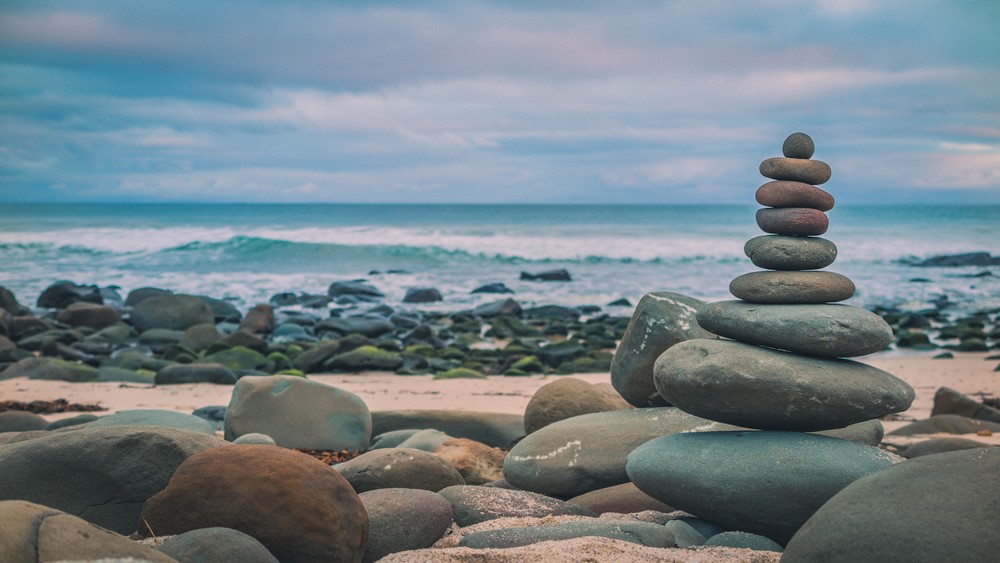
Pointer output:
x,y
813,172
492,429
472,505
768,389
216,544
403,519
661,319
792,287
779,252
767,483
403,468
567,397
828,330
172,312
794,221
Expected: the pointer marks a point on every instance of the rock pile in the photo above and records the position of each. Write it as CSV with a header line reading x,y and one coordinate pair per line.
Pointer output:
x,y
780,369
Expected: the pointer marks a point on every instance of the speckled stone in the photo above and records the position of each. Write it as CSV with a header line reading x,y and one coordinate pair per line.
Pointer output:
x,y
777,252
795,221
643,533
813,172
757,387
792,287
472,504
829,330
767,483
798,145
793,194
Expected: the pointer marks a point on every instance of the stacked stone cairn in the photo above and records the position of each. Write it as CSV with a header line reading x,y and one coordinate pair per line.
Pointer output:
x,y
779,368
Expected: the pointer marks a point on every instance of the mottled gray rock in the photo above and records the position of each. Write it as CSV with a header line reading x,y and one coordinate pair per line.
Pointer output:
x,y
767,483
255,438
946,423
792,287
195,373
156,417
402,468
298,413
89,314
661,319
19,421
798,145
403,519
587,452
472,505
102,474
772,390
949,401
623,499
743,540
32,532
216,544
813,172
422,295
778,252
795,221
492,429
172,312
567,397
643,533
793,194
829,330
935,508
940,446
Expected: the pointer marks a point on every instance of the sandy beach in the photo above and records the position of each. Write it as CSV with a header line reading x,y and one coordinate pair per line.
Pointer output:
x,y
969,373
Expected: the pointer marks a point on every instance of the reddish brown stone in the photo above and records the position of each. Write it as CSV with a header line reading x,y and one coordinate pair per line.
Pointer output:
x,y
813,172
792,287
476,462
793,194
796,221
295,505
89,314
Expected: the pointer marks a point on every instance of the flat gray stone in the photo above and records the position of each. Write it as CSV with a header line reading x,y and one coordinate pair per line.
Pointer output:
x,y
195,373
490,428
935,508
946,423
403,519
661,319
298,413
828,330
155,417
21,421
643,533
173,312
779,252
940,446
472,504
767,483
813,172
792,287
399,468
772,390
949,401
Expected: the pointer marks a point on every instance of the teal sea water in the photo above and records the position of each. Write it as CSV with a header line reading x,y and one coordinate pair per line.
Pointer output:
x,y
246,253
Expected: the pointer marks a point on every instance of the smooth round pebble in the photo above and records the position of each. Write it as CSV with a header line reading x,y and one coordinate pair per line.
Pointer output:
x,y
792,287
777,252
255,438
794,221
813,172
793,194
798,145
743,540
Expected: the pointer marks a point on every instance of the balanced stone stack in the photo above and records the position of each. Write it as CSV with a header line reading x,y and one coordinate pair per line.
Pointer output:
x,y
779,368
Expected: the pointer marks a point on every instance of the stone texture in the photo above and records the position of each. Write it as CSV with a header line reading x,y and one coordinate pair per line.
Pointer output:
x,y
32,532
89,314
403,468
642,533
828,330
472,505
195,373
793,194
403,519
661,319
813,172
949,401
946,423
20,421
794,221
103,475
623,499
587,452
173,312
298,413
476,462
792,287
292,503
940,446
216,544
798,145
778,252
156,417
767,483
492,429
761,388
935,508
743,540
567,397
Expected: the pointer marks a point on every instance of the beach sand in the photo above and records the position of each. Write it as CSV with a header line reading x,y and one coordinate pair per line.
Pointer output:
x,y
968,373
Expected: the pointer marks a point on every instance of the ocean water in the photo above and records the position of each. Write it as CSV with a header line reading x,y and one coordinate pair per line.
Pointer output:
x,y
246,253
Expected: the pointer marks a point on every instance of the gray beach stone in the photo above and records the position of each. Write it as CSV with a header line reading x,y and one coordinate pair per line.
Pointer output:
x,y
256,439
768,389
935,508
779,252
827,330
949,401
298,413
422,295
20,421
940,446
767,483
567,397
623,499
946,423
34,367
403,468
661,319
793,194
156,417
795,221
172,312
427,440
392,438
91,315
585,453
813,172
195,373
643,533
743,540
216,544
798,145
492,429
403,519
472,504
101,474
792,287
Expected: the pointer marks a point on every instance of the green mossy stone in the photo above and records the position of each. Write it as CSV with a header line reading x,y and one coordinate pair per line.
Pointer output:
x,y
295,372
460,373
237,358
528,365
365,358
280,361
425,350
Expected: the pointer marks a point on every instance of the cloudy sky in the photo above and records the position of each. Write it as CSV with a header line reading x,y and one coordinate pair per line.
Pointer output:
x,y
478,101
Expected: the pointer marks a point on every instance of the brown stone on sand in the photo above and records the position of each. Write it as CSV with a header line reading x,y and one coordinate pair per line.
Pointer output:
x,y
568,397
295,505
794,221
793,194
476,462
623,499
792,287
813,172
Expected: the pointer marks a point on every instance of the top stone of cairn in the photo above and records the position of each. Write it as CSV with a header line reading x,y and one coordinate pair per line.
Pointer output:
x,y
798,145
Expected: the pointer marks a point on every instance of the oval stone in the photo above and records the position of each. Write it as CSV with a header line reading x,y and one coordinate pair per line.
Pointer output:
x,y
829,330
793,194
795,221
798,145
777,252
813,172
757,387
792,287
766,483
